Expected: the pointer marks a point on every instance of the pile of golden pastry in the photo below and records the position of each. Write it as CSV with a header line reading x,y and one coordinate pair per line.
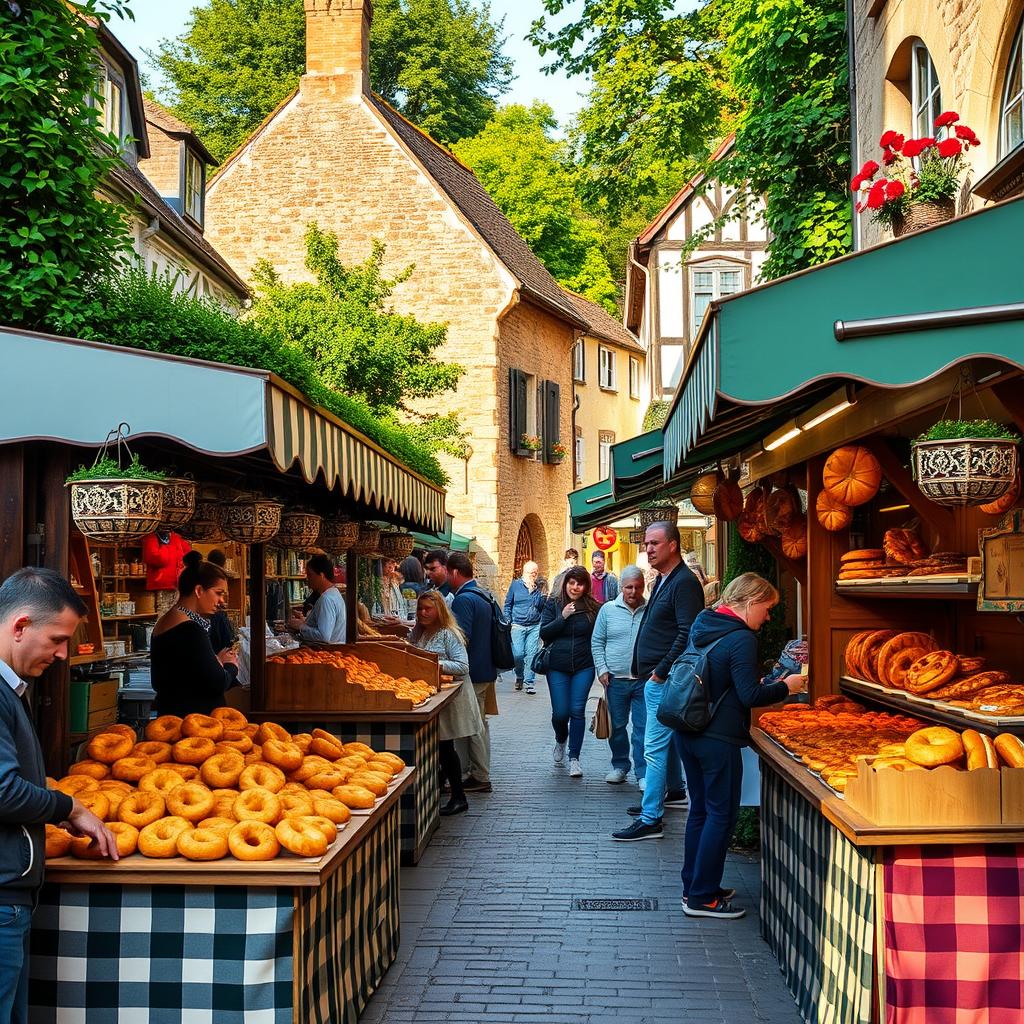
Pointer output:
x,y
913,662
210,786
367,674
902,554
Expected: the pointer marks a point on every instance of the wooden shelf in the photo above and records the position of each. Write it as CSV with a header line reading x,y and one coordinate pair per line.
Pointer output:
x,y
86,659
128,618
912,591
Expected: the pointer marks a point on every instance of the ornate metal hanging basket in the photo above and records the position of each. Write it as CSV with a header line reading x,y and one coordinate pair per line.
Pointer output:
x,y
116,509
204,526
299,530
367,541
395,544
179,501
667,513
337,534
965,471
251,520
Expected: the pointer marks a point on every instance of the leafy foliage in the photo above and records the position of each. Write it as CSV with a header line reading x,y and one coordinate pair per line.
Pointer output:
x,y
531,177
138,311
747,834
55,232
656,415
439,62
109,468
952,430
744,557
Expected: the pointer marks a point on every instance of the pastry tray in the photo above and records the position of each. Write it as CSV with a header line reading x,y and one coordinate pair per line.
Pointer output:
x,y
799,760
913,700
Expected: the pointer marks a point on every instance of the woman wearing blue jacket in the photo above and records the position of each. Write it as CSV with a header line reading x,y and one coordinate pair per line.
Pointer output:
x,y
712,759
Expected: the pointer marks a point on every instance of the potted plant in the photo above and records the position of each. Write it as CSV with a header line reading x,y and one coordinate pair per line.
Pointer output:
x,y
917,181
965,462
530,443
557,451
111,502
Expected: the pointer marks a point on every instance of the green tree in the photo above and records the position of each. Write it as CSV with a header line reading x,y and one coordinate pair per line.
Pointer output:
x,y
439,62
55,232
531,177
356,341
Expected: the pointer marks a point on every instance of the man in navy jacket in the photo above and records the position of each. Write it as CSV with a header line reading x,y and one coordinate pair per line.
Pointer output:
x,y
472,609
675,601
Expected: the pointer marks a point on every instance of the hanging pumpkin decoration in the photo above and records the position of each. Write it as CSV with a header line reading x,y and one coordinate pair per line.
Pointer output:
x,y
782,508
1006,501
750,519
852,475
727,499
832,513
794,539
702,494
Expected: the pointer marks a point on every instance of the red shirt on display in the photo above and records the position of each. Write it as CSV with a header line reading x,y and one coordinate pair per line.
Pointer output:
x,y
164,561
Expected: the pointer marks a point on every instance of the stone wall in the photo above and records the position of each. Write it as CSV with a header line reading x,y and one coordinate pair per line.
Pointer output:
x,y
163,167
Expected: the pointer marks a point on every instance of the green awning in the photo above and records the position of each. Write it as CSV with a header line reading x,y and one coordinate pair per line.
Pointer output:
x,y
596,505
636,463
890,316
447,538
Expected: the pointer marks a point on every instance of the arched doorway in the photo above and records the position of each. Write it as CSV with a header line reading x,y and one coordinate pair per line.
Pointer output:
x,y
524,548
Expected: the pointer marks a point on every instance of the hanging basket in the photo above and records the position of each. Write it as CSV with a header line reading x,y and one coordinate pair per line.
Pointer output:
x,y
396,544
367,541
251,520
204,526
337,534
666,513
965,471
179,501
923,215
116,509
299,530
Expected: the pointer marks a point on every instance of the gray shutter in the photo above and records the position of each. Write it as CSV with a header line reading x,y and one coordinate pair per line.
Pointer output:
x,y
517,407
552,416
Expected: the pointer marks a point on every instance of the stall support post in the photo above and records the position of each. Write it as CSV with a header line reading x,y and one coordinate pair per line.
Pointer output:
x,y
257,625
351,595
12,509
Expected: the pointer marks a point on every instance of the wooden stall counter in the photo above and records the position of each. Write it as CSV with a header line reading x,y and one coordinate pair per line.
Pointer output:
x,y
289,941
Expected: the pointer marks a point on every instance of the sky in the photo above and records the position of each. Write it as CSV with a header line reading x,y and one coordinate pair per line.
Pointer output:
x,y
162,19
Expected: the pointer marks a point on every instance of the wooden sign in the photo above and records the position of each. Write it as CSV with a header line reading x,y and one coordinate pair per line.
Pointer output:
x,y
1002,565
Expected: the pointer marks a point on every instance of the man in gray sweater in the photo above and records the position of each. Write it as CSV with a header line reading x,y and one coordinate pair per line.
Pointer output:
x,y
39,613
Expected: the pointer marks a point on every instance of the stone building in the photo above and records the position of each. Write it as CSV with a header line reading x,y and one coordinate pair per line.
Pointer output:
x,y
335,154
914,60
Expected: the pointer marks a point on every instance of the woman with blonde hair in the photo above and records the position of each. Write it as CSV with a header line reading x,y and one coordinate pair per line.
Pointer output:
x,y
712,759
437,631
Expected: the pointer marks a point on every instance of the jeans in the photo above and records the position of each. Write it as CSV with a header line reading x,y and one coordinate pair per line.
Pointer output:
x,y
714,774
525,644
661,752
569,706
626,699
15,927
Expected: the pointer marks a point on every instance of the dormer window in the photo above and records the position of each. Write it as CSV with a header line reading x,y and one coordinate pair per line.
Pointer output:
x,y
110,100
193,192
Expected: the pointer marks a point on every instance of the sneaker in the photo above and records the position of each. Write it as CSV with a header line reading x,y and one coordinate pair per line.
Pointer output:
x,y
639,830
472,785
519,684
723,894
575,770
642,783
530,690
559,753
677,798
720,908
454,807
615,777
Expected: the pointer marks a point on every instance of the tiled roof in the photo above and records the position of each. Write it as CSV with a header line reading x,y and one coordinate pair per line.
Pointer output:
x,y
461,185
601,324
163,118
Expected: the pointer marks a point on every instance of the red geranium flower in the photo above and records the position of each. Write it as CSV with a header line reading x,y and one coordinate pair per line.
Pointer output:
x,y
891,140
855,184
950,147
893,190
869,170
876,197
946,119
915,147
967,134
890,157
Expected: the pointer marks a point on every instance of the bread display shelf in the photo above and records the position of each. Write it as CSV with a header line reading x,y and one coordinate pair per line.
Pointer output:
x,y
933,710
360,812
960,587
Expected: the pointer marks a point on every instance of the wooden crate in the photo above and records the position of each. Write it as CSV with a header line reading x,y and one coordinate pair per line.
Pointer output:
x,y
1012,782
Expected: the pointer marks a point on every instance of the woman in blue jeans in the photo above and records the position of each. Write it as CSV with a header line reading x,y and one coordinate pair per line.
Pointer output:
x,y
712,759
566,625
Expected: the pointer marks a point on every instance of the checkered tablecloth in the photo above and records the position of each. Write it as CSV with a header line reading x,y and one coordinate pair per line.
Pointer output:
x,y
954,934
817,901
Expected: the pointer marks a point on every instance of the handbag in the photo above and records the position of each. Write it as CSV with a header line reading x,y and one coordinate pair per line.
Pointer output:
x,y
541,661
601,723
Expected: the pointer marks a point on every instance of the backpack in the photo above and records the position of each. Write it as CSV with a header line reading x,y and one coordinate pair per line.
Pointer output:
x,y
501,634
684,702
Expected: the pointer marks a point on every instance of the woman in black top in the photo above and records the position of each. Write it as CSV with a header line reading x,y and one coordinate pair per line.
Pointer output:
x,y
566,625
187,676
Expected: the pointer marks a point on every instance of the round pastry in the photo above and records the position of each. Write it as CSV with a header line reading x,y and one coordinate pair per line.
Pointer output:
x,y
131,769
867,653
94,769
202,725
126,839
166,729
187,772
368,780
160,839
286,756
850,654
356,797
980,750
329,749
310,766
901,642
114,798
327,779
254,755
96,801
301,837
58,842
355,747
328,827
334,810
833,514
295,803
234,740
222,770
1010,749
393,759
897,763
203,844
116,786
224,803
933,746
261,776
155,750
141,809
899,665
1005,502
302,740
253,840
903,546
123,729
272,731
193,750
231,717
191,801
384,768
968,666
108,747
932,671
852,475
224,825
251,731
351,761
160,780
863,555
257,805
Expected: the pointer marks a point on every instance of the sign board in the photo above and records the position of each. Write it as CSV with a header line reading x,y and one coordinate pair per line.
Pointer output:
x,y
1002,565
605,539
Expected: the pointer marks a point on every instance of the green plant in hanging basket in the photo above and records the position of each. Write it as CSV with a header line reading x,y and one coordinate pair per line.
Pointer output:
x,y
108,468
955,430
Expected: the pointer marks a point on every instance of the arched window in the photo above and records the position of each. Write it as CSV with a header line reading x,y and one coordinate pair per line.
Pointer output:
x,y
1011,121
926,96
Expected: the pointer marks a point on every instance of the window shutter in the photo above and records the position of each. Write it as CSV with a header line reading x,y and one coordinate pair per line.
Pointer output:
x,y
552,416
517,407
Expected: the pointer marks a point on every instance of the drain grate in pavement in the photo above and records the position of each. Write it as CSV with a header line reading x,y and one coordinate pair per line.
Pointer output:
x,y
645,903
448,841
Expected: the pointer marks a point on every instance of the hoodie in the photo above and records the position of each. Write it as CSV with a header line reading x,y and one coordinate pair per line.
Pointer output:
x,y
732,671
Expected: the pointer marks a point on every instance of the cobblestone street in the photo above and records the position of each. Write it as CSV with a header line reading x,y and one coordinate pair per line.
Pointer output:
x,y
489,932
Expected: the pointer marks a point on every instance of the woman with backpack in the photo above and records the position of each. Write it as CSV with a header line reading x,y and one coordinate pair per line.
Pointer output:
x,y
712,759
566,625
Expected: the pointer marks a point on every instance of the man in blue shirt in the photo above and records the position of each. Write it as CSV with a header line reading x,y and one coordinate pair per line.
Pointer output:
x,y
523,605
327,620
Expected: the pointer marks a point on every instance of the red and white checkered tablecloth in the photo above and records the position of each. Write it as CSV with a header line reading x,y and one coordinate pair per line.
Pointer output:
x,y
954,934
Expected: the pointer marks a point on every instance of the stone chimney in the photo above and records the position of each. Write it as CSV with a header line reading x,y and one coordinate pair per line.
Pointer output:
x,y
338,47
